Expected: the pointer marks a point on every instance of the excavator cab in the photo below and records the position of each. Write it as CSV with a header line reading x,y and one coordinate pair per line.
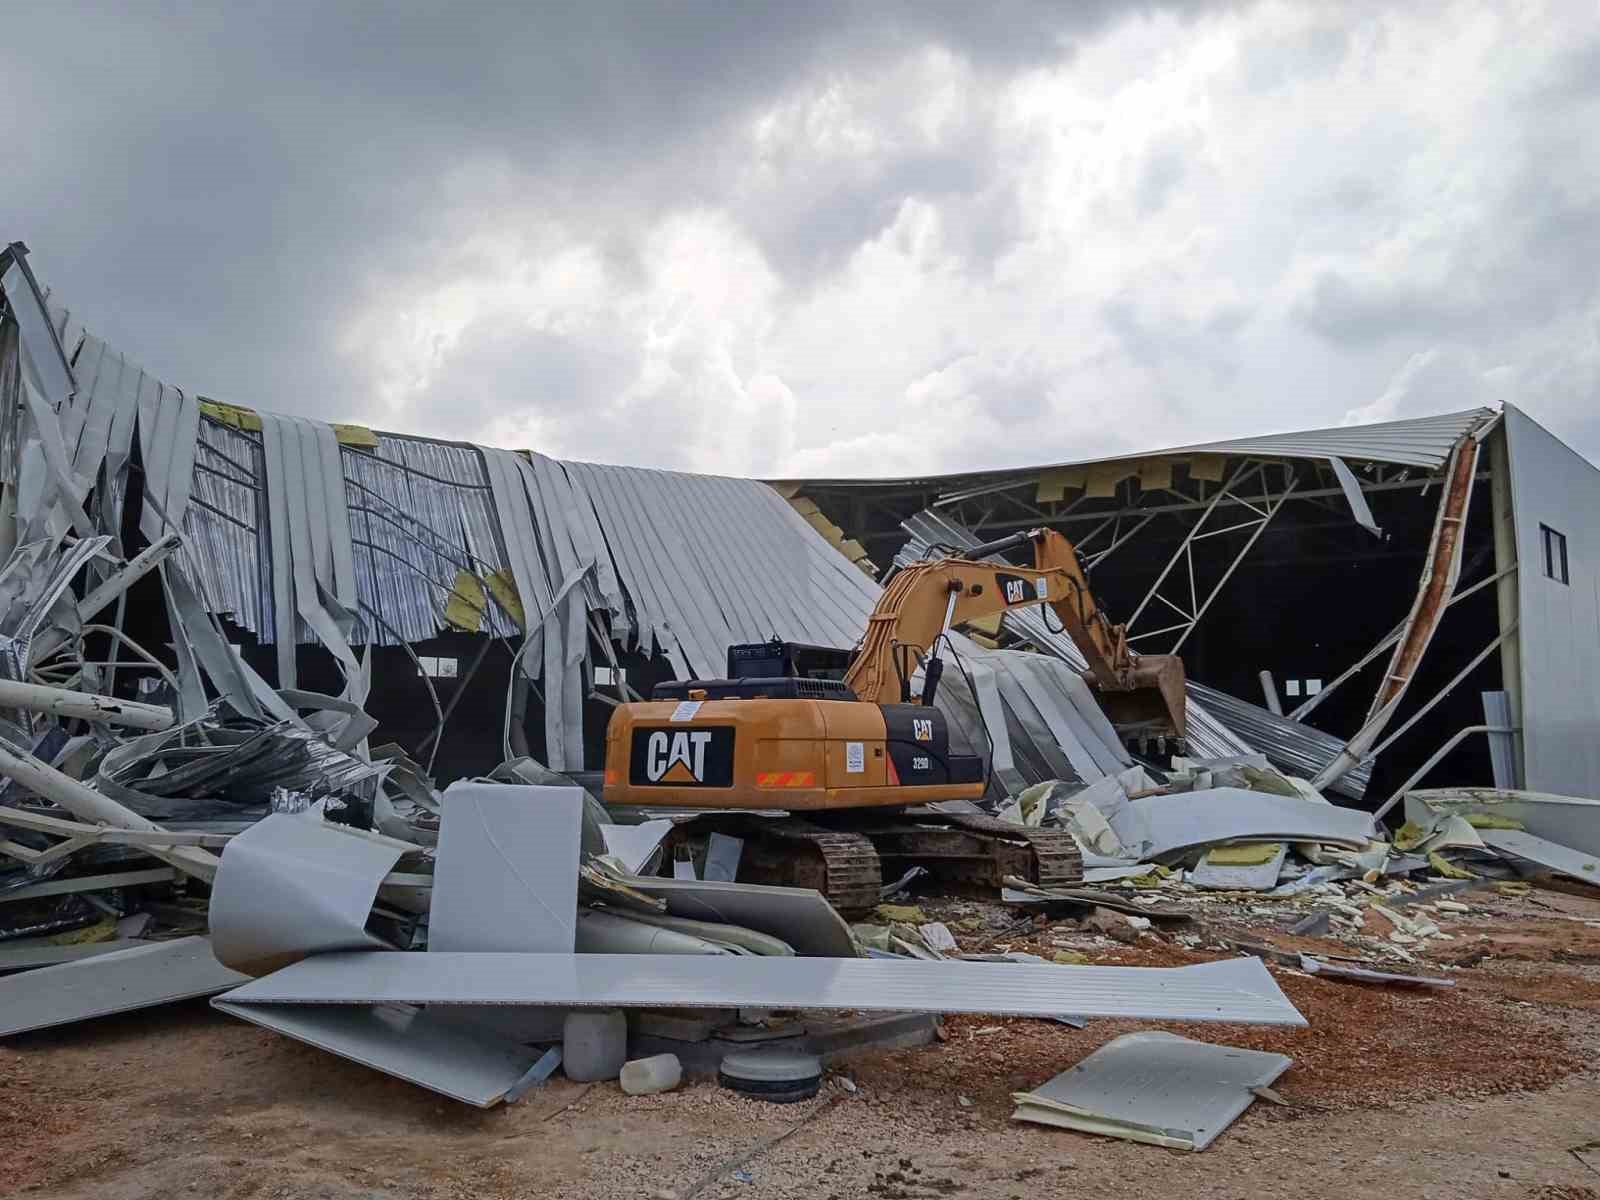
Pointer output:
x,y
775,670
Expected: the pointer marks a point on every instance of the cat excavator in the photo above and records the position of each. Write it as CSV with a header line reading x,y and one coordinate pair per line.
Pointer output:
x,y
821,760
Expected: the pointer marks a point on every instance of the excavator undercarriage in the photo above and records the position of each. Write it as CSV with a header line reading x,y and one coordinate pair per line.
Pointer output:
x,y
849,856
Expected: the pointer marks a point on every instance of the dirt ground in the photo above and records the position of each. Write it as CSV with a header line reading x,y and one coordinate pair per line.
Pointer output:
x,y
1484,1090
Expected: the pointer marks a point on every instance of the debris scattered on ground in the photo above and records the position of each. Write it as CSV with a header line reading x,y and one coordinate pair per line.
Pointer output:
x,y
175,827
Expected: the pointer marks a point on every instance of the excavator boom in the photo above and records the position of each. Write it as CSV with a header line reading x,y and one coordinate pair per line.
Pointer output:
x,y
1142,694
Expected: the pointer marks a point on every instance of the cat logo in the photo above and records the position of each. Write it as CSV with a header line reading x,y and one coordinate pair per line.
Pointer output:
x,y
922,729
682,757
677,758
1017,590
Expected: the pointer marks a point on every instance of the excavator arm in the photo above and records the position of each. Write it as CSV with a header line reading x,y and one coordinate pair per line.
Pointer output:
x,y
1143,695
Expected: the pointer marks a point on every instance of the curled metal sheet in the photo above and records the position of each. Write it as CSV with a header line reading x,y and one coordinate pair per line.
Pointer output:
x,y
290,886
207,769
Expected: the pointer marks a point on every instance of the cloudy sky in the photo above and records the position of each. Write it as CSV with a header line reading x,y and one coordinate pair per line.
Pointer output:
x,y
825,238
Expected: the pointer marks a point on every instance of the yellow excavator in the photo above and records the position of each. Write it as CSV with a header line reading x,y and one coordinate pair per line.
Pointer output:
x,y
843,737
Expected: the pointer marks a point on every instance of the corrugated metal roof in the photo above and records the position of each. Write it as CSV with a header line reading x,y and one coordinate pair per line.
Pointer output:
x,y
1419,442
686,564
707,561
1416,442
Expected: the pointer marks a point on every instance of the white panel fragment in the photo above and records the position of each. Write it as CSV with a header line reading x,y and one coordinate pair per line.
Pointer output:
x,y
632,845
1161,825
1248,877
112,983
1153,1087
505,876
450,1058
1574,864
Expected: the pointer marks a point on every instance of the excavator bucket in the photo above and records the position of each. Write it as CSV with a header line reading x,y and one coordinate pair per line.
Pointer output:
x,y
1155,707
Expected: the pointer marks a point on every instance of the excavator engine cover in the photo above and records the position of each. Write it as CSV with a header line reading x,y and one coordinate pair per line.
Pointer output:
x,y
790,753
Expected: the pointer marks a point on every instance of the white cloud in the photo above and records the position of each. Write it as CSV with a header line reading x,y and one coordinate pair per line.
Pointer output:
x,y
1445,379
929,251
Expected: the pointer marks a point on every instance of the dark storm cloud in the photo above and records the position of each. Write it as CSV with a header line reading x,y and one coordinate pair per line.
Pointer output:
x,y
248,201
502,366
214,186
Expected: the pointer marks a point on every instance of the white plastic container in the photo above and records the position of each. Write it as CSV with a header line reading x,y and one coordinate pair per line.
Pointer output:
x,y
646,1076
594,1044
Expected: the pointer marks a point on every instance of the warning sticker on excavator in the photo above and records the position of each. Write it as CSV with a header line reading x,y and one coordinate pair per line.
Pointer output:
x,y
855,757
686,710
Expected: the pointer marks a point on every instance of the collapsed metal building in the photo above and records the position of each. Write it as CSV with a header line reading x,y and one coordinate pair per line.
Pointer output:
x,y
1422,594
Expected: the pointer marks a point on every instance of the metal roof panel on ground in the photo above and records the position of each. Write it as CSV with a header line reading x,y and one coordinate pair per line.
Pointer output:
x,y
1232,990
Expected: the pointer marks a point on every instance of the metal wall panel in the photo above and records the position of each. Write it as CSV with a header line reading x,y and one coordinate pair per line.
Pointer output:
x,y
1559,630
1233,990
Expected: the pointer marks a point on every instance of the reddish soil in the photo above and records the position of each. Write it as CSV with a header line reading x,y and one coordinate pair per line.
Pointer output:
x,y
1478,1091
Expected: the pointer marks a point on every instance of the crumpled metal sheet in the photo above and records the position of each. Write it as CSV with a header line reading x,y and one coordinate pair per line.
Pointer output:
x,y
1159,825
547,567
1290,745
33,580
168,424
206,769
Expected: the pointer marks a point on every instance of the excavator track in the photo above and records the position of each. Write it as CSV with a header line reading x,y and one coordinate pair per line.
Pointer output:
x,y
1057,860
848,859
793,852
971,848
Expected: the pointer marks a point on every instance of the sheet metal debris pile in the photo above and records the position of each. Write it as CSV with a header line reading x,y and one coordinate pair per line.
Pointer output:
x,y
173,826
1241,849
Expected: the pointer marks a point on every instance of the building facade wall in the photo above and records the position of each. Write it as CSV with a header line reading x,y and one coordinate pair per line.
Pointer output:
x,y
1555,488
